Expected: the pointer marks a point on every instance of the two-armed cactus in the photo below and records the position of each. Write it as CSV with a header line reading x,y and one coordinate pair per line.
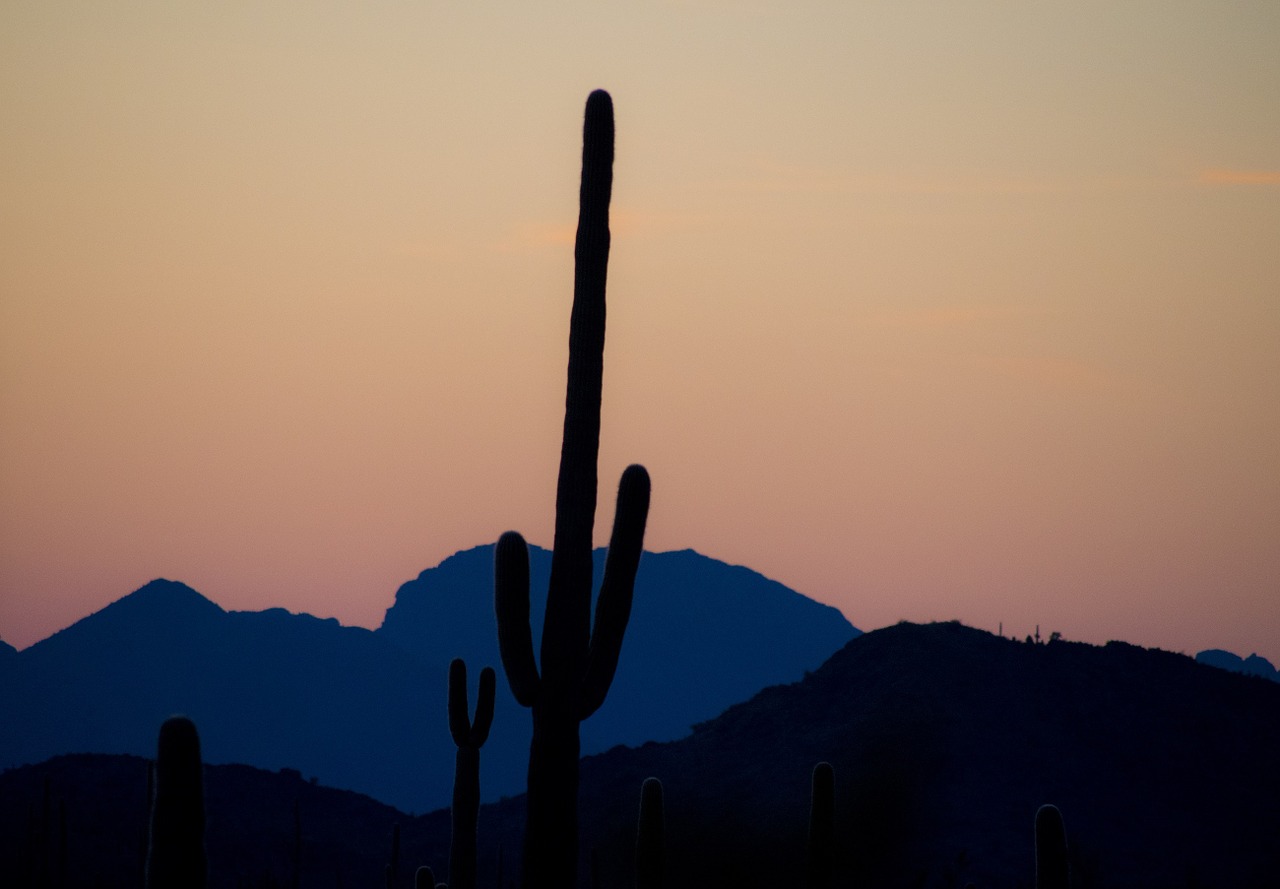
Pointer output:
x,y
578,661
469,736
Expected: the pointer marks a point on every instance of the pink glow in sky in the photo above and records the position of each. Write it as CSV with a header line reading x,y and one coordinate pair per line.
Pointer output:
x,y
928,311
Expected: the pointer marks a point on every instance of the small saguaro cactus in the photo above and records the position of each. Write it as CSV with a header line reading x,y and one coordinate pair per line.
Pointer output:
x,y
650,839
470,737
822,829
424,878
1051,849
578,661
175,852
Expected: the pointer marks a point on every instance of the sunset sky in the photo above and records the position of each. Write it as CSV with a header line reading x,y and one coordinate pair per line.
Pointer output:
x,y
927,310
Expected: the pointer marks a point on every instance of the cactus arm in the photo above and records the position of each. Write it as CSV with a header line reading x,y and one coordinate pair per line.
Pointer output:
x,y
613,609
459,719
484,708
511,605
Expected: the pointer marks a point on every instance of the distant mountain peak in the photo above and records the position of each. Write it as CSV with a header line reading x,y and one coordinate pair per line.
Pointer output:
x,y
1253,665
160,604
168,594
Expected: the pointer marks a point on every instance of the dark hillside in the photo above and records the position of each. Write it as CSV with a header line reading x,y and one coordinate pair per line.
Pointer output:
x,y
345,837
944,740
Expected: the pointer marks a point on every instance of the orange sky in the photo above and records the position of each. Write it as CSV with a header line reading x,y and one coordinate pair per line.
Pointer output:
x,y
926,310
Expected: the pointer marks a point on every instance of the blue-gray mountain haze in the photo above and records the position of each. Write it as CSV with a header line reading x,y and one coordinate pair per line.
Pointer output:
x,y
365,709
1253,665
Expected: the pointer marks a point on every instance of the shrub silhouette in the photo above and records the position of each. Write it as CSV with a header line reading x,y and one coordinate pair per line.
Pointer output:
x,y
577,661
176,853
470,737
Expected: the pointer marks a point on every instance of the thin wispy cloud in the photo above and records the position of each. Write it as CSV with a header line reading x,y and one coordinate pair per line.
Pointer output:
x,y
945,316
774,177
768,176
1239,177
1060,374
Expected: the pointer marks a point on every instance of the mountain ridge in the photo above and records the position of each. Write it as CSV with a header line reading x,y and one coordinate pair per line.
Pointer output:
x,y
944,739
274,689
1253,665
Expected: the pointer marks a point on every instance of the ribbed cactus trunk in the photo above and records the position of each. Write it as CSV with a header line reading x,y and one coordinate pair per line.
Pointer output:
x,y
551,822
175,853
577,661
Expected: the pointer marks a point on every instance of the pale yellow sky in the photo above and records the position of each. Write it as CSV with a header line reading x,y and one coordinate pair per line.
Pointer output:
x,y
927,310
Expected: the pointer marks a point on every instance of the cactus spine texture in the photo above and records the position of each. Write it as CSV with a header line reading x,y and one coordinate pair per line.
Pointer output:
x,y
175,850
577,661
822,830
1051,849
470,737
650,836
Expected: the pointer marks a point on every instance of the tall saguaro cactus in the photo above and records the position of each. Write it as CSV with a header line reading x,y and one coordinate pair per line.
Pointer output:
x,y
577,660
470,737
175,852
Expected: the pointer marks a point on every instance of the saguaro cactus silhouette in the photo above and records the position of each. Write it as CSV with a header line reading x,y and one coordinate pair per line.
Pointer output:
x,y
577,661
822,831
175,851
1052,871
470,737
650,837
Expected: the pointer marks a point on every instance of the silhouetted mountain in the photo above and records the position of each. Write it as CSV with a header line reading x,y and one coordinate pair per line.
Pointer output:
x,y
703,635
1253,665
269,688
944,741
7,652
366,710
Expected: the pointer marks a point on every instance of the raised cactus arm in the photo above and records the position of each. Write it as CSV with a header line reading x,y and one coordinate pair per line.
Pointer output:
x,y
613,609
465,732
511,604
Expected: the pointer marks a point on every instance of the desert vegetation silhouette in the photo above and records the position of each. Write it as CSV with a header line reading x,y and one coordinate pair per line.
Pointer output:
x,y
578,660
579,654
